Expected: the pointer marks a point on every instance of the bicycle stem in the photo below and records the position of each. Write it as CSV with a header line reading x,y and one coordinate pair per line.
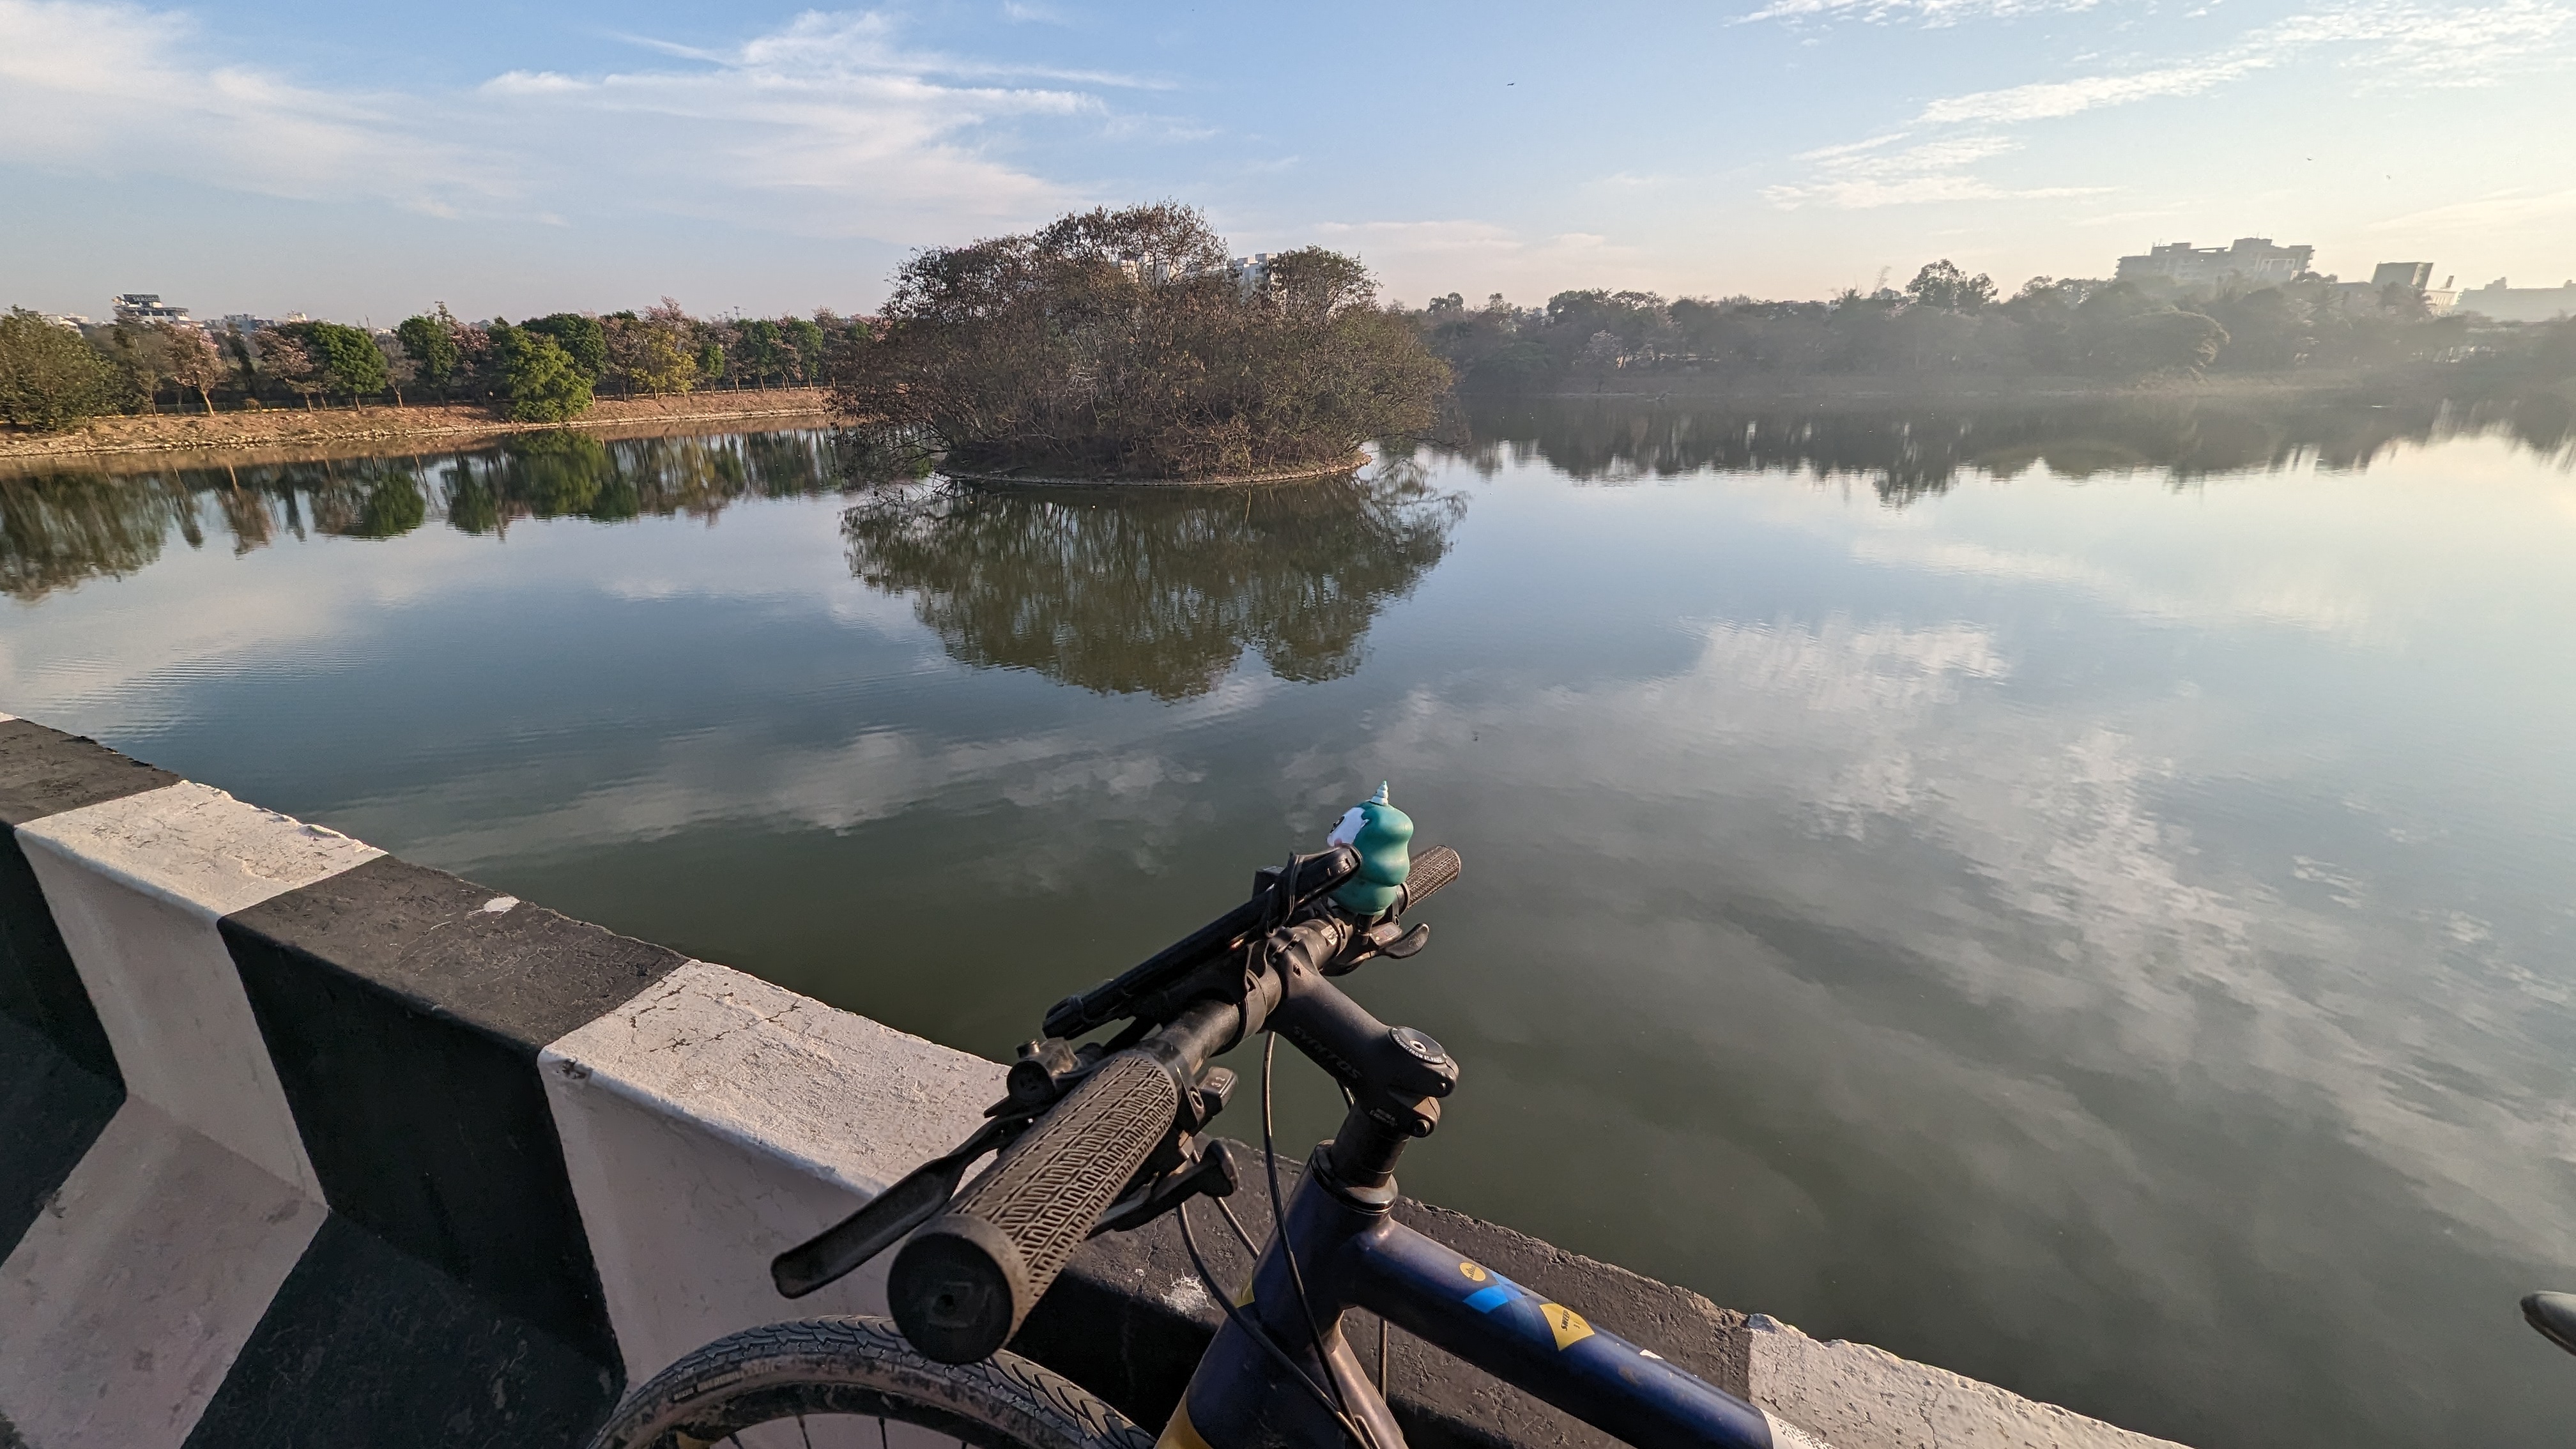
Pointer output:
x,y
1396,1076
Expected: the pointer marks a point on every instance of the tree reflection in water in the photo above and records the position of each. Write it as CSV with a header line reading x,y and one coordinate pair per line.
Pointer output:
x,y
59,528
1293,572
1154,590
1911,451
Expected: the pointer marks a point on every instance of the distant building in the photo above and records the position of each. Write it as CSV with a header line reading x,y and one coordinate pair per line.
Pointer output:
x,y
148,307
2248,261
1251,274
247,323
72,320
2518,304
2414,277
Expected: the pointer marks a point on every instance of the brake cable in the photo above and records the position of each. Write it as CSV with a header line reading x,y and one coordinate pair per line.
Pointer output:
x,y
1254,1331
1278,1200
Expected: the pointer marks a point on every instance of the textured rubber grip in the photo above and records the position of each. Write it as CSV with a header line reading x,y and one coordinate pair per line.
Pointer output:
x,y
963,1283
1431,870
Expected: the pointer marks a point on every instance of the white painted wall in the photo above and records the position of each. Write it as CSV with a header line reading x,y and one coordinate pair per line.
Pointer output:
x,y
136,886
716,1121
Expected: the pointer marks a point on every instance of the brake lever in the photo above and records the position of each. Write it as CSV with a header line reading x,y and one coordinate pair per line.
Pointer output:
x,y
1208,1169
1386,938
887,1217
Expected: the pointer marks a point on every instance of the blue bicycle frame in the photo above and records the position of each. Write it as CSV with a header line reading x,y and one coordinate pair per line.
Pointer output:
x,y
1350,1252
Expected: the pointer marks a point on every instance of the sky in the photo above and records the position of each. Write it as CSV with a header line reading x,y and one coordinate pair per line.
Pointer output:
x,y
362,163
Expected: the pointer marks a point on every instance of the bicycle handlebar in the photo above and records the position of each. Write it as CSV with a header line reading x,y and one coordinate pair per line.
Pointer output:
x,y
1432,869
966,1280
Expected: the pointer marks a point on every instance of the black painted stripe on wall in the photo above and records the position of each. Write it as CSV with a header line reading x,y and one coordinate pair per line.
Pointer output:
x,y
58,1079
46,772
51,1110
366,1345
405,1022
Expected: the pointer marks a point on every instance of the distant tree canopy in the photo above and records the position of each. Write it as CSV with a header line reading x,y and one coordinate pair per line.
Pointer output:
x,y
545,384
345,359
1947,321
1120,344
582,339
50,378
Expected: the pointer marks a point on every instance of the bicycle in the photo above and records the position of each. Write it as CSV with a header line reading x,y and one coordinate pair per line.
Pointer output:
x,y
1105,1136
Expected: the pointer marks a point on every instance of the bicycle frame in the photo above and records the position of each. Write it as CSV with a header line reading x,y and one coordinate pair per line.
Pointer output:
x,y
1352,1253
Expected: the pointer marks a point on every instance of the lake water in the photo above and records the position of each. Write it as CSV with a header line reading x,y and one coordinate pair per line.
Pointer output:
x,y
2076,895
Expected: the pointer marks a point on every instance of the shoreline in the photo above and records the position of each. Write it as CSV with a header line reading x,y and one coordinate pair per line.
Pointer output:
x,y
1938,388
171,436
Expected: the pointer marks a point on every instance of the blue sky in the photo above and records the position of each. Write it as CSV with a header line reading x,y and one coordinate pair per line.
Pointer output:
x,y
358,162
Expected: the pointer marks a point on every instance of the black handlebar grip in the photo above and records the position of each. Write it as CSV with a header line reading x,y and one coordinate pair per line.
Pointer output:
x,y
1431,870
961,1287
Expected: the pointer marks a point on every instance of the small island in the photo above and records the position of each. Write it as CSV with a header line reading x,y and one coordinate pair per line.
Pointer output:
x,y
1124,346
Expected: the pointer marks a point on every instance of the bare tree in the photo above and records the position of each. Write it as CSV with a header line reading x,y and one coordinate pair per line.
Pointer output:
x,y
195,363
284,361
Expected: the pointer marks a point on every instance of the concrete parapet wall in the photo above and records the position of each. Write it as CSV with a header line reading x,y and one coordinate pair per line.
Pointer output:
x,y
301,1143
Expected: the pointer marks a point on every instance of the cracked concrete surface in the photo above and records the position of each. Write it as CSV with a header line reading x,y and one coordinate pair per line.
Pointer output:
x,y
1852,1396
716,1120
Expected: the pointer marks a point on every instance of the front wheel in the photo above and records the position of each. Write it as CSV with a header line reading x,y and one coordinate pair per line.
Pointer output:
x,y
853,1383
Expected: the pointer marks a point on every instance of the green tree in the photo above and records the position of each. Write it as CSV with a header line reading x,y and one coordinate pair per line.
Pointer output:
x,y
545,386
345,358
581,338
809,345
431,343
2167,341
764,353
1943,286
652,352
140,352
50,377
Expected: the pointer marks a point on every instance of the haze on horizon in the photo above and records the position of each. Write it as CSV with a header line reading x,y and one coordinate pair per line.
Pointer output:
x,y
283,155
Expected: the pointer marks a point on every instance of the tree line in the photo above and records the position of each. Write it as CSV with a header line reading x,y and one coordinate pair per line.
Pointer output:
x,y
544,369
1948,322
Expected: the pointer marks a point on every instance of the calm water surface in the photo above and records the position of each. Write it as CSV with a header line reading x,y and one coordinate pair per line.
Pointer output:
x,y
2078,897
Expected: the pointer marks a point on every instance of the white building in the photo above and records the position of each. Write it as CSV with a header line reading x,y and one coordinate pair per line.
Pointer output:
x,y
2519,304
2248,261
148,307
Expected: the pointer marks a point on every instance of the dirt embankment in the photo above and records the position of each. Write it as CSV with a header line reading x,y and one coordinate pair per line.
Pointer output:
x,y
298,428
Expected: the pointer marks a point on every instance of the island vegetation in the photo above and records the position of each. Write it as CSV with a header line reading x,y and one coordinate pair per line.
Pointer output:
x,y
1125,344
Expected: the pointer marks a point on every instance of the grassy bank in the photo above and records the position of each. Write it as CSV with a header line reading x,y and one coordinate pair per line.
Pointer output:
x,y
297,429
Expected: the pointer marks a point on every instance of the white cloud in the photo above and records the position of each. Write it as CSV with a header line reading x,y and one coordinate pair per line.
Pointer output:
x,y
1929,12
1859,177
2498,210
826,125
2048,100
120,88
2381,44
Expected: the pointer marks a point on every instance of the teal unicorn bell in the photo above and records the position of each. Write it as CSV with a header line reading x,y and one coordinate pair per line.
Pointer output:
x,y
1380,833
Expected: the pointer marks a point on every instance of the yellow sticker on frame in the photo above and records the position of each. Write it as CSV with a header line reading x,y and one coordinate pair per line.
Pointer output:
x,y
1566,1324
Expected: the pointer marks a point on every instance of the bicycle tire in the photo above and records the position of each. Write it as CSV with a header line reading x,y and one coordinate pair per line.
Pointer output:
x,y
814,1369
